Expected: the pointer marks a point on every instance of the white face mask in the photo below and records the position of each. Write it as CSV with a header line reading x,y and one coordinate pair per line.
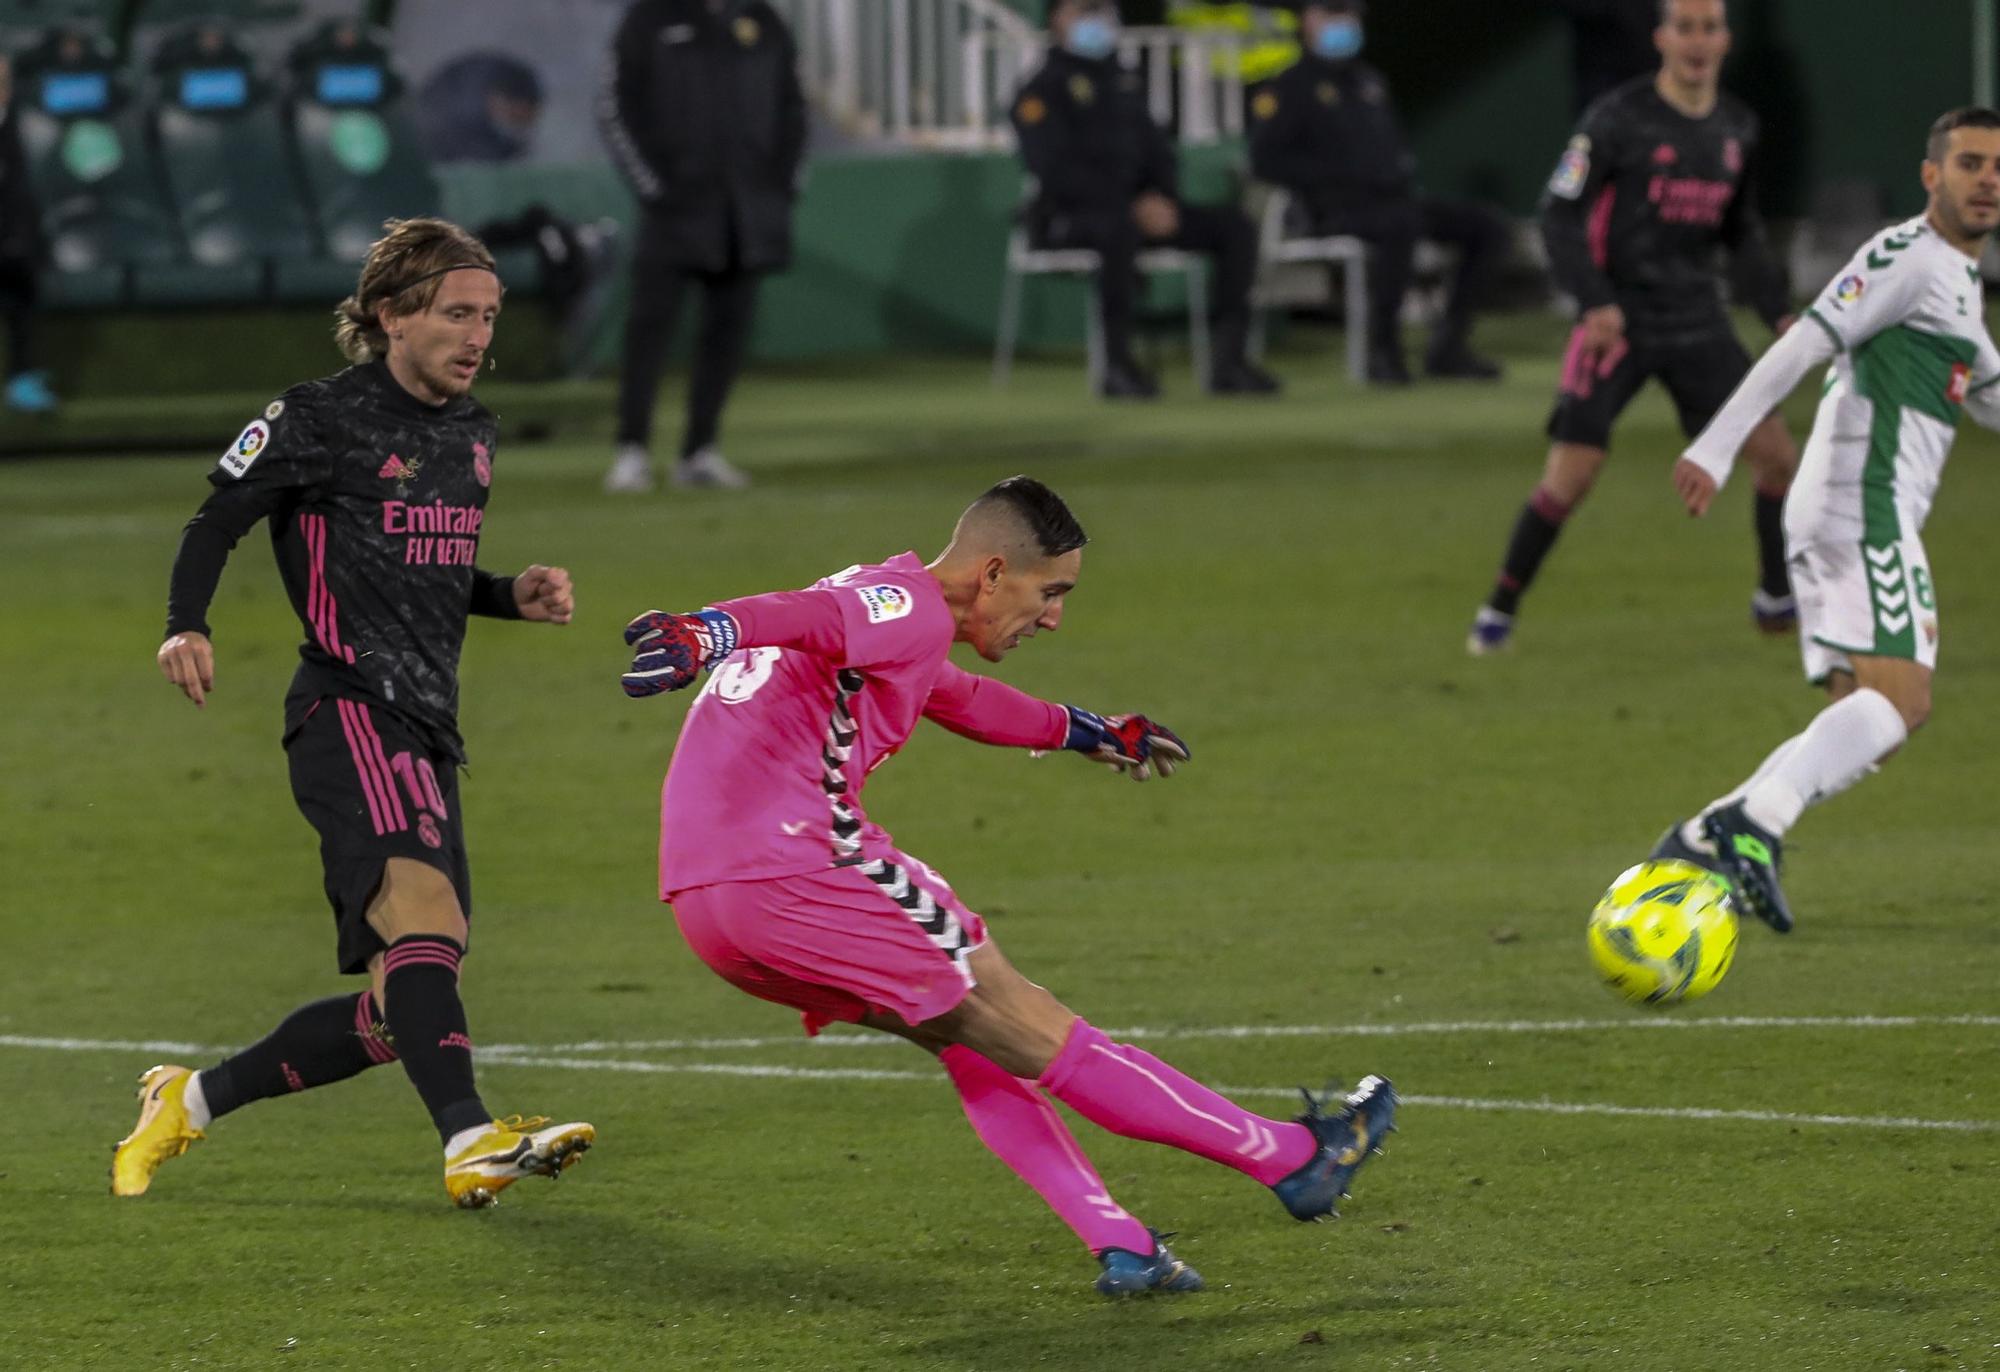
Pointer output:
x,y
1093,36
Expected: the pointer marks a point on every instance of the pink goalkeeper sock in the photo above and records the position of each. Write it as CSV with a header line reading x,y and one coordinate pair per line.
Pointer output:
x,y
1024,1131
1131,1092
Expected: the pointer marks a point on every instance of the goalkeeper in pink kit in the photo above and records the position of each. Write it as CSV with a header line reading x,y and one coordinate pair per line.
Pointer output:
x,y
783,886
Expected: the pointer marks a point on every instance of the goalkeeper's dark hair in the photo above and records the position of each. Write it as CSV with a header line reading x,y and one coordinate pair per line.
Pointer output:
x,y
402,271
1041,511
1968,117
1666,15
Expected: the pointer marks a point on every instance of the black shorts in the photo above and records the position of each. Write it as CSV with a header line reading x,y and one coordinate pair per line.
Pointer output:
x,y
1698,373
374,789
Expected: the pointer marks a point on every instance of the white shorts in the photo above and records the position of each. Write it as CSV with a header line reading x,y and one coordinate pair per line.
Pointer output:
x,y
1857,598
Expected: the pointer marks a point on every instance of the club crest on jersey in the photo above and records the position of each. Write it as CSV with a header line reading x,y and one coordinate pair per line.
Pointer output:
x,y
1850,288
1732,156
244,451
1961,382
482,463
1573,170
885,602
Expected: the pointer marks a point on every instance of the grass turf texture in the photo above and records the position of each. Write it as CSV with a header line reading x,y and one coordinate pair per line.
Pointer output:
x,y
1374,831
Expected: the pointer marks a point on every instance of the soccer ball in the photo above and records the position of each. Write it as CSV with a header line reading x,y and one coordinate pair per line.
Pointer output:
x,y
1665,932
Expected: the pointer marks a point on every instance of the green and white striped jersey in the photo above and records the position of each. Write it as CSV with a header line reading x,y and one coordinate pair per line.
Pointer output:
x,y
1911,352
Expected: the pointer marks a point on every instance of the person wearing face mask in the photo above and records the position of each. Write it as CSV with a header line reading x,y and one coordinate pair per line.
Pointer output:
x,y
703,113
27,390
1326,130
1107,181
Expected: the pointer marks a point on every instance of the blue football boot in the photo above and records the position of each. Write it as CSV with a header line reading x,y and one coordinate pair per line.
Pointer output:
x,y
1368,1113
1674,846
1490,633
1751,856
1131,1274
1773,614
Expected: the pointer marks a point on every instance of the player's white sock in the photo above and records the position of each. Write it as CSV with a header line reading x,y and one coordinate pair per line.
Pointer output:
x,y
1763,772
195,1102
1691,833
463,1140
1837,749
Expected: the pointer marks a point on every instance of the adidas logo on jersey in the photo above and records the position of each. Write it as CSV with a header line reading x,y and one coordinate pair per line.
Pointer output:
x,y
397,469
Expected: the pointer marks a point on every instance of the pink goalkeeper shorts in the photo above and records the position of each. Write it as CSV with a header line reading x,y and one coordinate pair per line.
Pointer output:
x,y
885,936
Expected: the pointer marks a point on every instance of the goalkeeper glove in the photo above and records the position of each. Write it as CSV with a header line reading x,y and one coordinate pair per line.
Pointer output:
x,y
1127,743
670,651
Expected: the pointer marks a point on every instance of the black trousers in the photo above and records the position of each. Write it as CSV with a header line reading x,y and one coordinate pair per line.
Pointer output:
x,y
17,310
1223,234
1392,228
728,309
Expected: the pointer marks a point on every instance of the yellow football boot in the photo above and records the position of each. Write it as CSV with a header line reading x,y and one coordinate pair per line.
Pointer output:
x,y
162,1132
512,1149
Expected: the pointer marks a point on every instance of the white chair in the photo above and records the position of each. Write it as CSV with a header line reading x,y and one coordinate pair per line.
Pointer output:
x,y
1275,247
1025,260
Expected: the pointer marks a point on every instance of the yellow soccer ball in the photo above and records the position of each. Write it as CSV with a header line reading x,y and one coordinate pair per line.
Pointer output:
x,y
1665,932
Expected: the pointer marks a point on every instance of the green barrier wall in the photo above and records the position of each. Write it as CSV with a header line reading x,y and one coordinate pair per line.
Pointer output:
x,y
893,252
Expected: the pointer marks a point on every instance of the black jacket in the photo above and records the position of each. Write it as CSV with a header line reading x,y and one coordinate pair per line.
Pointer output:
x,y
1088,139
1328,132
20,223
703,112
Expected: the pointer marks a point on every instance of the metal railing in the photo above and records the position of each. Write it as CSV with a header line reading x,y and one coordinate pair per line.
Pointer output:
x,y
896,69
943,73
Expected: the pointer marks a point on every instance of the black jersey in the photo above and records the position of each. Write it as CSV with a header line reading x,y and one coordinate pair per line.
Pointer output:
x,y
1641,201
375,501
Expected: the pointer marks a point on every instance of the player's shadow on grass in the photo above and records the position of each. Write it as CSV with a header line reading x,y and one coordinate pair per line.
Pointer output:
x,y
634,1266
1255,1327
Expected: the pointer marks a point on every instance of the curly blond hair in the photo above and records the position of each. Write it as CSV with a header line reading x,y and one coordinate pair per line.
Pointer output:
x,y
402,272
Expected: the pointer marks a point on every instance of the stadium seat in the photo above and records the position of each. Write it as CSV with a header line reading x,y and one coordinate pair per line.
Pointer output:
x,y
357,146
1278,247
265,29
23,23
93,171
228,170
1025,260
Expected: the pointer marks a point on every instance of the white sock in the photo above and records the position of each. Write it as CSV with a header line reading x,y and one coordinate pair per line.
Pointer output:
x,y
1840,746
1764,769
463,1140
1691,831
196,1103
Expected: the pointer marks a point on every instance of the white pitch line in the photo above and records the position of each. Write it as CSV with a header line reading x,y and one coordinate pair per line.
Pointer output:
x,y
66,1045
1284,1031
522,1056
1544,1107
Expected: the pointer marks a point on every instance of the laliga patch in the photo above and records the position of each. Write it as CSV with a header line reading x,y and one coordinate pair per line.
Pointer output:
x,y
1960,384
1850,288
256,434
1573,170
885,602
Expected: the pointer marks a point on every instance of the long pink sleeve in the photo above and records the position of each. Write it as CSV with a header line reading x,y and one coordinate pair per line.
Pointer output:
x,y
990,711
807,620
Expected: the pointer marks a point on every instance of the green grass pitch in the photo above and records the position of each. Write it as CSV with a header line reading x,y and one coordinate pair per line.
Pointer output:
x,y
1379,860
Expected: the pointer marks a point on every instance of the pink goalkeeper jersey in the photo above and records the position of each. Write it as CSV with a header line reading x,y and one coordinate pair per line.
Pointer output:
x,y
828,684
